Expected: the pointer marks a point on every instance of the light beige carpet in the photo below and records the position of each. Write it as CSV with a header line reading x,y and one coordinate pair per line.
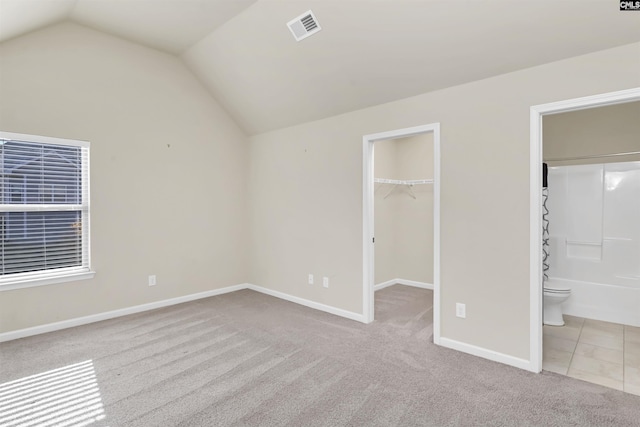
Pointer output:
x,y
248,359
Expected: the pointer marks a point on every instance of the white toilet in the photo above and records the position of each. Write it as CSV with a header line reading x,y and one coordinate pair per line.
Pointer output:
x,y
553,299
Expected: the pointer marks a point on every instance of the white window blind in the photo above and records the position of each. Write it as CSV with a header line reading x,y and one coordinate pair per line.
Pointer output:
x,y
44,208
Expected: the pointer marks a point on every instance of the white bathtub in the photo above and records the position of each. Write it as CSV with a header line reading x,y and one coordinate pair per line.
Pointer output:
x,y
610,303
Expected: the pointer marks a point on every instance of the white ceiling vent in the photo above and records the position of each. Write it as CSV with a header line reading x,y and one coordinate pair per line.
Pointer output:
x,y
304,25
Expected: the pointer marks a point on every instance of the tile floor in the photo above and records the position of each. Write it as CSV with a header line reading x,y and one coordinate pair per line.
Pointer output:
x,y
599,352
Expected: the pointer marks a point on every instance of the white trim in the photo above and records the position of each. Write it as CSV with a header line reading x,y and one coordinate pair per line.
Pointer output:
x,y
535,191
436,234
32,207
46,277
86,212
487,354
383,285
44,280
405,282
368,254
10,136
415,284
79,321
308,303
535,241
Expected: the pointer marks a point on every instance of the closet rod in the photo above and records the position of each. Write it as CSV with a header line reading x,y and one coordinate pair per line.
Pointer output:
x,y
597,156
403,181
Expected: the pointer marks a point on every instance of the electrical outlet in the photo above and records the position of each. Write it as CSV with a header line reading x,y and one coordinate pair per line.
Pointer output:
x,y
325,281
152,280
461,310
311,279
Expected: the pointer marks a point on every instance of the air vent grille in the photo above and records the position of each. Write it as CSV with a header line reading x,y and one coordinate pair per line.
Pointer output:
x,y
304,25
309,23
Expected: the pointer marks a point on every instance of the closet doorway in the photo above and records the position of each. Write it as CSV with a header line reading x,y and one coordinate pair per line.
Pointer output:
x,y
401,213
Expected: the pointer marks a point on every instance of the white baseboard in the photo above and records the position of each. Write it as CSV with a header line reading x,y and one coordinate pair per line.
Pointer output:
x,y
308,303
78,321
445,342
384,284
488,354
405,282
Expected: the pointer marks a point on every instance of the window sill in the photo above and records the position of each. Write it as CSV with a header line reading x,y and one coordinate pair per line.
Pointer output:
x,y
51,280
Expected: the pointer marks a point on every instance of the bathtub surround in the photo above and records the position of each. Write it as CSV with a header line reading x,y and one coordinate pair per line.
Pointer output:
x,y
600,301
595,239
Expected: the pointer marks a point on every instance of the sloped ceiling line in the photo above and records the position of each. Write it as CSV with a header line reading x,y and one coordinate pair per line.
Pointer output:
x,y
168,25
369,52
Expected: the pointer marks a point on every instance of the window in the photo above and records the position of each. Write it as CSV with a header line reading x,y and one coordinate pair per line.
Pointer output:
x,y
44,210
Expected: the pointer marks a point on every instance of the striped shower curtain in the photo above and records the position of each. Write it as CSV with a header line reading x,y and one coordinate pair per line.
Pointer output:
x,y
545,225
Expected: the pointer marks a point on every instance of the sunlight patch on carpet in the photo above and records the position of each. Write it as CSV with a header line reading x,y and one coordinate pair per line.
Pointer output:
x,y
64,397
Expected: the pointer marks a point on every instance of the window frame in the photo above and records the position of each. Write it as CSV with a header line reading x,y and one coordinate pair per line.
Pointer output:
x,y
64,274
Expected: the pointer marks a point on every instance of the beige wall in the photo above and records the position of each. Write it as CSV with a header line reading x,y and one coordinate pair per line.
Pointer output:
x,y
385,164
168,170
414,223
605,130
305,188
163,149
404,225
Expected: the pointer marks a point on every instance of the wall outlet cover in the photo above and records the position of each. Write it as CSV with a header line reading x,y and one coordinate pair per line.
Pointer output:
x,y
461,310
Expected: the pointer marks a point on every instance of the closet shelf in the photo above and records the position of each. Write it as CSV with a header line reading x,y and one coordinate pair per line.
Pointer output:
x,y
403,181
408,182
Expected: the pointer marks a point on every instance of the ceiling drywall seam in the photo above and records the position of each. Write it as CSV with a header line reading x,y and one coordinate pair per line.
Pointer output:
x,y
55,17
213,97
219,27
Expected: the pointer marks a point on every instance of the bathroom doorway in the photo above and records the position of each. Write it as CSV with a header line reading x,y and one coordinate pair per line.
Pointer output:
x,y
583,143
401,179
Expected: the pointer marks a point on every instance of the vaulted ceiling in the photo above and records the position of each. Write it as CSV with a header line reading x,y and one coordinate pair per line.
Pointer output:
x,y
368,52
168,25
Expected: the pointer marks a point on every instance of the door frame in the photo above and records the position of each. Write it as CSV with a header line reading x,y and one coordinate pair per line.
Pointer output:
x,y
535,180
368,218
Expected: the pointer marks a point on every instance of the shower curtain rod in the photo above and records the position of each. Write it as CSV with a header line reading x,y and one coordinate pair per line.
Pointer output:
x,y
597,156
